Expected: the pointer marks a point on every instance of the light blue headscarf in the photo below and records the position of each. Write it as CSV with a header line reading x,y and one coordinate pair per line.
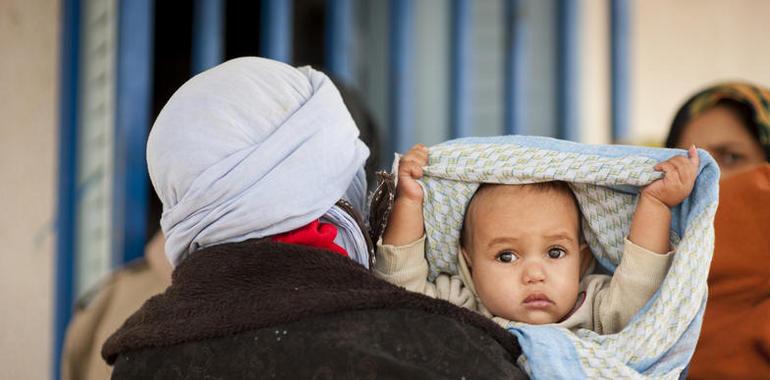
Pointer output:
x,y
253,148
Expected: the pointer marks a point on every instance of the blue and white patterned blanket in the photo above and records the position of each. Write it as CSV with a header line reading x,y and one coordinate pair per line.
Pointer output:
x,y
659,341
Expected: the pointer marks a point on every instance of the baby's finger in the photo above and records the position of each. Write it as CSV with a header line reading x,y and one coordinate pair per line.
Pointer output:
x,y
418,153
410,169
422,157
682,164
692,154
412,159
418,148
669,171
679,161
664,166
688,164
675,162
685,169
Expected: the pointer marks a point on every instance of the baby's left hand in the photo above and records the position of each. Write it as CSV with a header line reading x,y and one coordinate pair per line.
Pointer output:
x,y
678,181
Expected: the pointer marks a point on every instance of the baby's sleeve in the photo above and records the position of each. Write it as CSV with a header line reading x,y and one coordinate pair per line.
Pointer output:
x,y
404,266
636,279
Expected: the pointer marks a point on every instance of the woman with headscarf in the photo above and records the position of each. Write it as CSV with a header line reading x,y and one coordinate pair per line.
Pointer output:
x,y
732,122
260,171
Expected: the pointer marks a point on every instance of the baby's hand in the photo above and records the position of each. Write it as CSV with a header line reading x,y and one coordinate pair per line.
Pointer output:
x,y
409,170
678,181
406,221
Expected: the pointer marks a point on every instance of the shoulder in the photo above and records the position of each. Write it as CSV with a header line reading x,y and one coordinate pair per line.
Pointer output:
x,y
594,281
136,279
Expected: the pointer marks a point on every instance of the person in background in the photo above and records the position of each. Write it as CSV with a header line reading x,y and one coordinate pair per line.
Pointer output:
x,y
731,121
104,308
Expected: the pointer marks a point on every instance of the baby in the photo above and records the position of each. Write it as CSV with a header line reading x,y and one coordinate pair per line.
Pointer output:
x,y
522,256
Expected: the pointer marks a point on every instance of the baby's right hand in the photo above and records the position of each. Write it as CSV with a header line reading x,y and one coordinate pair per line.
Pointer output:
x,y
409,171
406,221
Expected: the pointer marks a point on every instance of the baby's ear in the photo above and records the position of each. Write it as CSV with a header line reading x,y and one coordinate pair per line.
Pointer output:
x,y
586,259
467,257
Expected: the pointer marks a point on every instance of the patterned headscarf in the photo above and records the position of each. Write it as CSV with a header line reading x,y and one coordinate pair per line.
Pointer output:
x,y
755,98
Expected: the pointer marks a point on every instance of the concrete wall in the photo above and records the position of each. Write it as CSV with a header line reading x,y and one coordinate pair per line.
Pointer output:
x,y
29,31
594,71
681,46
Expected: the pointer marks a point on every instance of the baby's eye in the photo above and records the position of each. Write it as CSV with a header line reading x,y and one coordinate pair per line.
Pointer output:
x,y
506,257
556,253
731,158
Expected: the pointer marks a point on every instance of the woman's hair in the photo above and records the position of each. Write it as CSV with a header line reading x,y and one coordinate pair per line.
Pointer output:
x,y
750,104
741,110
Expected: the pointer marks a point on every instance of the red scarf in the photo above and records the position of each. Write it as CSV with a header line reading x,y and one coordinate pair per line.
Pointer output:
x,y
315,234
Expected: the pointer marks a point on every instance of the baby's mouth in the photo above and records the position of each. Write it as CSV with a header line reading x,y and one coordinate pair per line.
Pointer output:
x,y
537,301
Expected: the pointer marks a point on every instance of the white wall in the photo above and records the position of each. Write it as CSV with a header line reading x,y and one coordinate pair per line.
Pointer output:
x,y
681,46
594,72
28,148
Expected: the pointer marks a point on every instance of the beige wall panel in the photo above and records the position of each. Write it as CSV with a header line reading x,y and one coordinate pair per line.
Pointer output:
x,y
29,37
681,46
594,69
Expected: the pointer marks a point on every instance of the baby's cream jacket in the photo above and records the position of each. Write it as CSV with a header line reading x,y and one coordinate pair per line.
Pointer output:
x,y
605,305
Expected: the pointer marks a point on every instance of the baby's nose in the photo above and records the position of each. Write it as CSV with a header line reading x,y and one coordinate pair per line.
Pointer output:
x,y
533,273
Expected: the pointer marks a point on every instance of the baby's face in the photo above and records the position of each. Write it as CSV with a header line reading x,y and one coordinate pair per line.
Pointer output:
x,y
524,253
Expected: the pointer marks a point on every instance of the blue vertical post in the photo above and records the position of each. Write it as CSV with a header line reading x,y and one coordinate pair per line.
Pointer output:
x,y
461,54
68,148
620,50
515,68
339,39
567,70
132,122
275,29
401,95
208,34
